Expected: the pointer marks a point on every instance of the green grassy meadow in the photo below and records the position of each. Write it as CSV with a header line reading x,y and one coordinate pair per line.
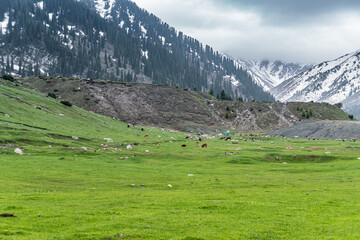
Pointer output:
x,y
231,190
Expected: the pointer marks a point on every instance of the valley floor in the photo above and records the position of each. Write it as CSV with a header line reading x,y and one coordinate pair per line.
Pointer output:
x,y
96,188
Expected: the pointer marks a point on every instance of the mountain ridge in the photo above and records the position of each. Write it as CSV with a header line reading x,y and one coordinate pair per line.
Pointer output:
x,y
113,40
335,81
269,74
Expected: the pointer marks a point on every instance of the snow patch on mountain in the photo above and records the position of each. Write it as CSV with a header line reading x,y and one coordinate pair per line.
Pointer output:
x,y
4,24
39,5
104,7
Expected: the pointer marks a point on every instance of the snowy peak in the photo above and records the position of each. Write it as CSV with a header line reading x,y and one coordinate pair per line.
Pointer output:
x,y
269,74
330,81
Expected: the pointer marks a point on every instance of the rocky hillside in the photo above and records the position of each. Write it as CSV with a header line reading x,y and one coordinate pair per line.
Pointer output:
x,y
113,40
182,109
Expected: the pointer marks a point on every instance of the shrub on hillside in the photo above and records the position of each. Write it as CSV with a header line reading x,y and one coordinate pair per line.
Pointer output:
x,y
8,77
66,103
52,95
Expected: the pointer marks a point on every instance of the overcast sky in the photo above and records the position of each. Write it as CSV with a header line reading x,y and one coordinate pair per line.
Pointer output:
x,y
304,31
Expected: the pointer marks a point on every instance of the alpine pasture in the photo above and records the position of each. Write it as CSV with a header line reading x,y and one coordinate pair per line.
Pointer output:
x,y
77,179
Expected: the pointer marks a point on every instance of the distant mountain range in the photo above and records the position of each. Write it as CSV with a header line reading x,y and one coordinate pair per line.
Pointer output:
x,y
116,40
336,81
269,74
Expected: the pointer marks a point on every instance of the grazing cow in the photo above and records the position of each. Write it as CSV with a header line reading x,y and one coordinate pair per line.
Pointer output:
x,y
197,144
187,137
142,129
228,139
146,135
200,140
204,145
184,145
353,140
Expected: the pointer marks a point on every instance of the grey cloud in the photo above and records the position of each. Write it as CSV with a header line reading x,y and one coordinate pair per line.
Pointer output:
x,y
293,11
291,30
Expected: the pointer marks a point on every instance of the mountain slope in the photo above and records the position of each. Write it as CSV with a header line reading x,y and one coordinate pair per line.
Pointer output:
x,y
332,81
172,107
115,40
269,74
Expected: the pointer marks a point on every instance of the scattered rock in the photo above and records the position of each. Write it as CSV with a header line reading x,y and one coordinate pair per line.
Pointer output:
x,y
229,153
7,215
285,163
61,115
84,148
147,151
109,140
170,186
190,175
7,115
142,185
327,152
129,147
19,151
238,149
10,145
132,185
75,138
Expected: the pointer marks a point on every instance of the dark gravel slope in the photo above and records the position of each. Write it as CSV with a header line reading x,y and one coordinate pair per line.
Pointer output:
x,y
322,129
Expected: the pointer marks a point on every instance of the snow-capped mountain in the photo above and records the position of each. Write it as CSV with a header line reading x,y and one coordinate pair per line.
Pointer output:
x,y
331,81
269,74
112,39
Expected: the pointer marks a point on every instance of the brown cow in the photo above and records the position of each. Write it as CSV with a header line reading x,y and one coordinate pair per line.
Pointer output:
x,y
184,145
353,140
204,145
146,135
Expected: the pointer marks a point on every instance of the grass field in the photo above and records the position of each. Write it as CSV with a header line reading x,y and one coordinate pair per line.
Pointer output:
x,y
230,190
